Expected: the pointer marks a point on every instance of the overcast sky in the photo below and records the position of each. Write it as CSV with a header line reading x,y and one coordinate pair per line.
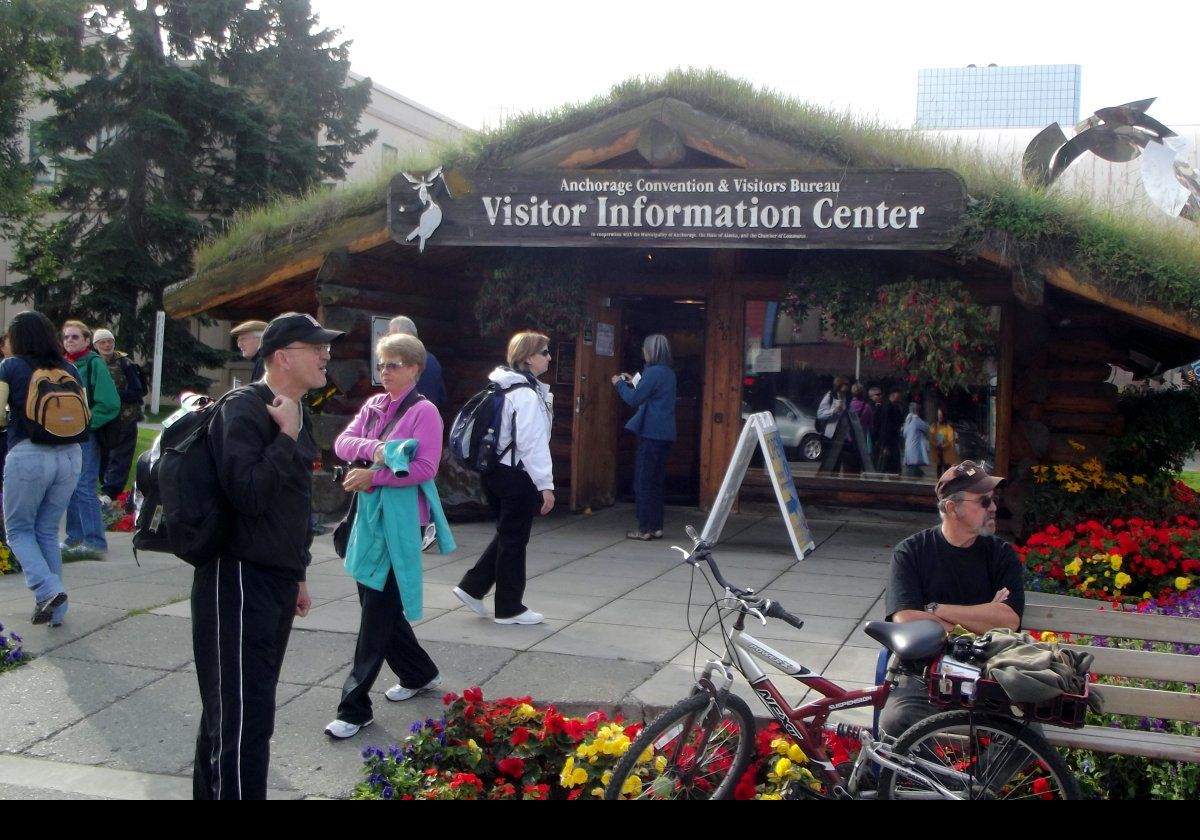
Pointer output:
x,y
476,61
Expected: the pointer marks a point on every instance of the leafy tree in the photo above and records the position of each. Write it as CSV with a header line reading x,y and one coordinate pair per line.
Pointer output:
x,y
185,114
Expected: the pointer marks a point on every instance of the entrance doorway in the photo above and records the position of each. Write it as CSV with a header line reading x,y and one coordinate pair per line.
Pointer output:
x,y
684,322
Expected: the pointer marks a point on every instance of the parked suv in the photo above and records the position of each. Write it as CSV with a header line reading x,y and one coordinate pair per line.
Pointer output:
x,y
798,430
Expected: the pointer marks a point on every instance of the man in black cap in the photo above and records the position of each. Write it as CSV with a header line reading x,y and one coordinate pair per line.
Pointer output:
x,y
959,573
244,600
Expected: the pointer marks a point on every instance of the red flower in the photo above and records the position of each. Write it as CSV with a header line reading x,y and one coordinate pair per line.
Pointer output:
x,y
473,695
520,736
514,768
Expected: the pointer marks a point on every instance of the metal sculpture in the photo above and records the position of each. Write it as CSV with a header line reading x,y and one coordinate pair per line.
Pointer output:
x,y
1119,135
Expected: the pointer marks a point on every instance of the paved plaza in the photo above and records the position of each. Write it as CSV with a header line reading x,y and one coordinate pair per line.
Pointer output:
x,y
109,708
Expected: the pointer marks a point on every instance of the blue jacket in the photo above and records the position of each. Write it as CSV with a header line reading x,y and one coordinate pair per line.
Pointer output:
x,y
431,385
387,530
916,444
654,398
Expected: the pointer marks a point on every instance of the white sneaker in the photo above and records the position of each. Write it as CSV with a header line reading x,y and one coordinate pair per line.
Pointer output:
x,y
429,537
397,693
106,501
473,604
527,617
341,729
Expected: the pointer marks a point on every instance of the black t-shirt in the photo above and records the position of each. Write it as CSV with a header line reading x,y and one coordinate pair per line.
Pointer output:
x,y
927,568
17,371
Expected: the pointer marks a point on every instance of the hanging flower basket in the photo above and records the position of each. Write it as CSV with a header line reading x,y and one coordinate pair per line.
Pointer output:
x,y
531,291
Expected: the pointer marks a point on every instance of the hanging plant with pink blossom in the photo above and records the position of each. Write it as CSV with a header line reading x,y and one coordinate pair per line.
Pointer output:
x,y
930,329
531,291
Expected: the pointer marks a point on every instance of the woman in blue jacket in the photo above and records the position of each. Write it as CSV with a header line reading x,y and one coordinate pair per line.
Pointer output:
x,y
654,423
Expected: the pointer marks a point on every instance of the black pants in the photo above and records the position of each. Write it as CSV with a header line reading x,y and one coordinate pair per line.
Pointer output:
x,y
115,462
907,703
384,634
241,619
515,501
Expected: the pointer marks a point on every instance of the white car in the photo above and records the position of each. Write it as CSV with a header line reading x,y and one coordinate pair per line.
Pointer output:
x,y
798,430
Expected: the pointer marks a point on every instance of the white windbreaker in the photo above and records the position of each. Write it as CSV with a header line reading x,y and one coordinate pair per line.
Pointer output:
x,y
534,413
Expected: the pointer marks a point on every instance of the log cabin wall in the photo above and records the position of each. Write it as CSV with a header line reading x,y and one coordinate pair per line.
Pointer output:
x,y
1061,362
351,290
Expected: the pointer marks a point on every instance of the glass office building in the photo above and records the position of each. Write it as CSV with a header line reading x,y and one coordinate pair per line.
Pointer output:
x,y
1031,96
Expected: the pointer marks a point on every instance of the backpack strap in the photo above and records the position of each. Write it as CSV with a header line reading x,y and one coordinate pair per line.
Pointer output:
x,y
512,442
412,398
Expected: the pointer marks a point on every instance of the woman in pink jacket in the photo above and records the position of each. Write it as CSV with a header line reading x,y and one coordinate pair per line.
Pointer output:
x,y
384,633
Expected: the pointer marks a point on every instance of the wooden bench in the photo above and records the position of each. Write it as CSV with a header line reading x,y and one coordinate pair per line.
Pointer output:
x,y
1077,616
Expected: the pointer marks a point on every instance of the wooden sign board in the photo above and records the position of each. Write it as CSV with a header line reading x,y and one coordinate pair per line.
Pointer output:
x,y
760,432
911,209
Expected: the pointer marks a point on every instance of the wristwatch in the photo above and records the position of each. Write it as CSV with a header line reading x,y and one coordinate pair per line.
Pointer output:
x,y
931,607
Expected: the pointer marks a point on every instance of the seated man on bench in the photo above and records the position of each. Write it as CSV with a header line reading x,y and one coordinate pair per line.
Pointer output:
x,y
958,573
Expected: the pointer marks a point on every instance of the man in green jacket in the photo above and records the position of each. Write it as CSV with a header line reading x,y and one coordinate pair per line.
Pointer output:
x,y
85,528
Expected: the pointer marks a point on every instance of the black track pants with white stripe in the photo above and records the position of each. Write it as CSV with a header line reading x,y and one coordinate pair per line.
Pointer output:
x,y
241,619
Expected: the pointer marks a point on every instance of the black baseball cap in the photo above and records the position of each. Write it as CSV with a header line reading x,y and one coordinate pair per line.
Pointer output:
x,y
968,477
295,326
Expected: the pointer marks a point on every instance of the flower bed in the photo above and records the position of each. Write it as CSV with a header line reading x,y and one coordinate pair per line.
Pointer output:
x,y
11,653
1127,561
508,749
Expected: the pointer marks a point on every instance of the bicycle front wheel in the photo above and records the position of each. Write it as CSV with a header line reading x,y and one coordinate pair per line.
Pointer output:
x,y
977,757
693,750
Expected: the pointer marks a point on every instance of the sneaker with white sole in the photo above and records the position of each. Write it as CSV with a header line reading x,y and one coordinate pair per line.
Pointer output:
x,y
398,693
342,729
428,536
472,603
527,617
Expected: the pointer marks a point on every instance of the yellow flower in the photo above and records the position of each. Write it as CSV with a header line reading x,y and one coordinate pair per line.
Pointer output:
x,y
1049,637
632,786
766,796
1076,445
1137,479
568,772
797,755
782,766
1182,583
598,792
1115,561
524,712
1146,595
1074,567
660,763
1073,486
648,754
781,746
1122,580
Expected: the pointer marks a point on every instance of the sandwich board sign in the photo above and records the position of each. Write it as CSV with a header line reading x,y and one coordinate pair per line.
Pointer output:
x,y
760,432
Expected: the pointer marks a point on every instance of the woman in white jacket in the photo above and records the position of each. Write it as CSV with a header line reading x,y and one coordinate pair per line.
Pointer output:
x,y
519,486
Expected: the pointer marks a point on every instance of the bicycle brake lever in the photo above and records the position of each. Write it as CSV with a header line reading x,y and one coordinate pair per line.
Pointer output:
x,y
758,615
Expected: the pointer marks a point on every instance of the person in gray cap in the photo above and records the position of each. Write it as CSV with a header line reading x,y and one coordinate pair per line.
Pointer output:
x,y
244,600
958,573
249,341
116,448
430,385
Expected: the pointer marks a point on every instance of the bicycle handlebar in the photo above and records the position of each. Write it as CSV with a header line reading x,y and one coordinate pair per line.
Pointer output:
x,y
769,607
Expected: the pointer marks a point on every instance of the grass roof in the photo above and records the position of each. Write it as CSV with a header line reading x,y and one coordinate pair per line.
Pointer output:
x,y
1140,259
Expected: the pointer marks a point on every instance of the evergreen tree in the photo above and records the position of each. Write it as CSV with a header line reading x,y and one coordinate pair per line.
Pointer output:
x,y
35,38
185,114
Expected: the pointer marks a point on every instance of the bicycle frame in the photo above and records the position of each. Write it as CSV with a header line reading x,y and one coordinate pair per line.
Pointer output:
x,y
805,723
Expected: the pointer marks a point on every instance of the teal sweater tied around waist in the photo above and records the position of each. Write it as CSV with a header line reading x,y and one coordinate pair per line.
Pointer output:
x,y
387,532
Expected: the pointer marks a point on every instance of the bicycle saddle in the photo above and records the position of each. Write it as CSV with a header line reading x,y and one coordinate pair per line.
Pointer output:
x,y
910,640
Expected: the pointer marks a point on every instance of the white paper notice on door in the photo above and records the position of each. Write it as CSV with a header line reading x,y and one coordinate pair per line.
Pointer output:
x,y
604,339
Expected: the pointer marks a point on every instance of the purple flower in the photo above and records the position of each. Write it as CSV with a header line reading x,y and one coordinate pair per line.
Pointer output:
x,y
388,791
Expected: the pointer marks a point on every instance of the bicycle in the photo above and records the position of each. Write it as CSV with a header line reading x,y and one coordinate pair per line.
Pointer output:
x,y
700,747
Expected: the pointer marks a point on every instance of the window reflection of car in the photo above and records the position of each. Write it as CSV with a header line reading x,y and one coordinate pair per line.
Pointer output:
x,y
797,428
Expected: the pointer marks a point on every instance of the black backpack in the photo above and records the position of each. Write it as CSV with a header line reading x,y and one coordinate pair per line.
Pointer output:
x,y
476,429
180,506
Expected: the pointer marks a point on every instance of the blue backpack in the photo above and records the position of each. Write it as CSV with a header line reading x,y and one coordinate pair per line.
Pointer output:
x,y
476,429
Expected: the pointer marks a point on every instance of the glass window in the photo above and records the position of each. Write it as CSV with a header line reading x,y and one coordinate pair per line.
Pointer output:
x,y
857,429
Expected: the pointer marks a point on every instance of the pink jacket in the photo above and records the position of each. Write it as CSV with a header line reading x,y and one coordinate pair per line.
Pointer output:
x,y
422,422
